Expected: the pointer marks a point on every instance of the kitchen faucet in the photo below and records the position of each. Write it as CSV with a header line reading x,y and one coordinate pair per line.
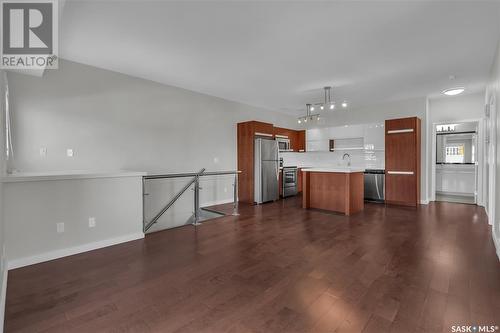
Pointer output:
x,y
349,160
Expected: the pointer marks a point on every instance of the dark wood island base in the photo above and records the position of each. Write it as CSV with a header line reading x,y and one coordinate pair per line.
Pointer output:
x,y
334,190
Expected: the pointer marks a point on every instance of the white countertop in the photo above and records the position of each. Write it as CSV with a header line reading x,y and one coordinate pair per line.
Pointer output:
x,y
71,174
339,170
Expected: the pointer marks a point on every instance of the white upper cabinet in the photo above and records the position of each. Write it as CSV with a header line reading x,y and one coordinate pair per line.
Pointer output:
x,y
374,135
346,132
317,139
317,145
317,134
364,136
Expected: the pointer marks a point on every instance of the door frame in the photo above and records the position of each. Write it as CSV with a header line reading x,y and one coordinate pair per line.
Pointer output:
x,y
480,165
492,156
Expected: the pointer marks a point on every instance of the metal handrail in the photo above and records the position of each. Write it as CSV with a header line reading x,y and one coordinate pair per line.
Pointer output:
x,y
191,174
196,176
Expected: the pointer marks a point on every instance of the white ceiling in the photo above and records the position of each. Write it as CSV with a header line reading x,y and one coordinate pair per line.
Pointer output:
x,y
279,55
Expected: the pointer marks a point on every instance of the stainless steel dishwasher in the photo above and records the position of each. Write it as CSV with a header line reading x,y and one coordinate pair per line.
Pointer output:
x,y
375,185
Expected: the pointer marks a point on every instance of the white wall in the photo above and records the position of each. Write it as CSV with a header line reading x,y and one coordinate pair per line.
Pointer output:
x,y
457,108
416,107
493,98
3,270
33,209
114,121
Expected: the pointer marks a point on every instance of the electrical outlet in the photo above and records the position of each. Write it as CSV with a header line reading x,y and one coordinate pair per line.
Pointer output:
x,y
43,151
91,222
69,152
225,189
60,227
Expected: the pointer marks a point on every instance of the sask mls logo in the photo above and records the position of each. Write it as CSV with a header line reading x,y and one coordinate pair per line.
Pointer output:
x,y
29,34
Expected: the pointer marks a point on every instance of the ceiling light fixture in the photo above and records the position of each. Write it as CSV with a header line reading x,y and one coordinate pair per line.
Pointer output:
x,y
454,91
326,104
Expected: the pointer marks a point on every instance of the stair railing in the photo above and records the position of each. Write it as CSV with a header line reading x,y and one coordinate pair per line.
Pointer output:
x,y
196,189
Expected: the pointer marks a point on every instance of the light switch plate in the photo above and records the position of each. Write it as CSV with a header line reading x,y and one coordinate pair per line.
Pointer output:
x,y
43,151
91,222
60,227
69,152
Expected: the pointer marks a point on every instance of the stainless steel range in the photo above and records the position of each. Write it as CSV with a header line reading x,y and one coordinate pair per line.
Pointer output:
x,y
290,181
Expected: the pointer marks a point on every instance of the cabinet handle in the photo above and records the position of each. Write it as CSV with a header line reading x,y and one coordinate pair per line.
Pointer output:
x,y
263,134
400,172
406,130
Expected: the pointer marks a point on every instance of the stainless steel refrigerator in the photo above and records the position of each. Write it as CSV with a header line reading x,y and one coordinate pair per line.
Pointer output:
x,y
266,170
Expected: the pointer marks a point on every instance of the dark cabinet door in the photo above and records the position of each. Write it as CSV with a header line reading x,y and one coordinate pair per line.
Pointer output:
x,y
400,152
301,140
400,189
402,161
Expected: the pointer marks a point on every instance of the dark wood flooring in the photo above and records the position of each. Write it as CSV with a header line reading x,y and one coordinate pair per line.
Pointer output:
x,y
275,268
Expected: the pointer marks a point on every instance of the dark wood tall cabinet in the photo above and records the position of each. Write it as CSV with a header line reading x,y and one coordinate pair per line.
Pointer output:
x,y
245,141
402,161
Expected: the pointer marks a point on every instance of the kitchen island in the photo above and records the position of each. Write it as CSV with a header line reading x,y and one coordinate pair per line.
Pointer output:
x,y
335,189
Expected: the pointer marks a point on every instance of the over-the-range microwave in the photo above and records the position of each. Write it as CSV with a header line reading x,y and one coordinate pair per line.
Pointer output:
x,y
283,143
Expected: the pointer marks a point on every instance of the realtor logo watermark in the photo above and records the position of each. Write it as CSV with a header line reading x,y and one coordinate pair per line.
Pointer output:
x,y
29,34
474,328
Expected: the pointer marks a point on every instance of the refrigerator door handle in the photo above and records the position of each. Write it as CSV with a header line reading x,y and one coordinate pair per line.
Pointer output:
x,y
277,161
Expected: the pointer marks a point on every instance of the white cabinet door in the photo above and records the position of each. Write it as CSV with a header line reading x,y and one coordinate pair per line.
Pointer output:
x,y
318,134
346,132
318,145
374,136
317,139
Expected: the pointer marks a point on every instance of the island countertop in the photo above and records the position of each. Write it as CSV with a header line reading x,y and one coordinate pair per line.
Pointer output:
x,y
335,169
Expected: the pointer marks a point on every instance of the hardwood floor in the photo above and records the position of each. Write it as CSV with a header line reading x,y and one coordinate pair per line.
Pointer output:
x,y
275,268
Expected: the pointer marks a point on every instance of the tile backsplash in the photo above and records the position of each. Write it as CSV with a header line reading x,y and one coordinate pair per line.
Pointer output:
x,y
363,158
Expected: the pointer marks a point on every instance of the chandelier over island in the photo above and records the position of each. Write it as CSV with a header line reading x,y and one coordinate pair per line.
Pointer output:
x,y
327,104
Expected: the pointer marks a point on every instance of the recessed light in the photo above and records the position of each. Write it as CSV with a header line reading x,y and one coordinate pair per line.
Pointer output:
x,y
312,108
344,104
454,91
299,121
332,106
321,107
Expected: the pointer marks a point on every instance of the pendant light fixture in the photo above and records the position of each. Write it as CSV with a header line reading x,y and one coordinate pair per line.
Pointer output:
x,y
327,104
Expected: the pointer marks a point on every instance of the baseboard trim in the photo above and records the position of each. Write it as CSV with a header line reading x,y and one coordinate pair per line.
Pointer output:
x,y
51,255
3,297
496,242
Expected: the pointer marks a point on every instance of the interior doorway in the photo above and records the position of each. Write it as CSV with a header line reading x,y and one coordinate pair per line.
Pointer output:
x,y
456,167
